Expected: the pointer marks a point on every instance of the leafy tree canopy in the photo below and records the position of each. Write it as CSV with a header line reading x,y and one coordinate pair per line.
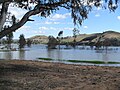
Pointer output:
x,y
79,10
22,41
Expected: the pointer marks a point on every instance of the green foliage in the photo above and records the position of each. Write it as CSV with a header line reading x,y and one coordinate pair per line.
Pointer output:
x,y
79,8
93,62
9,38
29,42
52,42
83,61
48,59
22,41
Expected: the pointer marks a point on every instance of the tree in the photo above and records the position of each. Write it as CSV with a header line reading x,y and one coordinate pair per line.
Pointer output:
x,y
22,41
29,42
52,42
75,34
60,34
9,39
79,10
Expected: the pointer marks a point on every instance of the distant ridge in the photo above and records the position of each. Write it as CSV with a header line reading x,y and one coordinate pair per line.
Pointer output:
x,y
111,35
39,39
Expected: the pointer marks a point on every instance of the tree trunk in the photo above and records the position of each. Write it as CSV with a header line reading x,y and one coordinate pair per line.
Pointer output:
x,y
3,14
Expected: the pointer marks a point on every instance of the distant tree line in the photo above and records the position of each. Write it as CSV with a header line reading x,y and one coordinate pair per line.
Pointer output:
x,y
22,42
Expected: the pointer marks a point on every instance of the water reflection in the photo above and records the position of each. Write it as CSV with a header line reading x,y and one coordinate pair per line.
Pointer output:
x,y
49,53
37,51
105,57
59,54
22,54
54,53
8,55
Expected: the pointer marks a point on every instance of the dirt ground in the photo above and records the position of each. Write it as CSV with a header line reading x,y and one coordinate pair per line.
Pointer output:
x,y
36,75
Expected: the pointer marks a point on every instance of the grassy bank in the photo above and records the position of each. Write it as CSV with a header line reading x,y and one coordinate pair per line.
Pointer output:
x,y
82,61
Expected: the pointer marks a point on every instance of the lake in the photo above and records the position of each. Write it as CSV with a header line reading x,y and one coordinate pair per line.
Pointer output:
x,y
40,51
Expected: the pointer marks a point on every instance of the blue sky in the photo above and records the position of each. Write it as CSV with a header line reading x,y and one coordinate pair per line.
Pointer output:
x,y
99,20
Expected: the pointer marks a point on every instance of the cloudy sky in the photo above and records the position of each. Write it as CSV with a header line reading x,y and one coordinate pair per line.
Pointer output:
x,y
99,20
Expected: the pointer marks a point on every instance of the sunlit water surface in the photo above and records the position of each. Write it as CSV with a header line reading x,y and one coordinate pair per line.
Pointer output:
x,y
40,51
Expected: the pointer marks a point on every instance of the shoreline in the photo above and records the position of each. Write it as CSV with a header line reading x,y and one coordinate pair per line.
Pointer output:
x,y
39,75
82,63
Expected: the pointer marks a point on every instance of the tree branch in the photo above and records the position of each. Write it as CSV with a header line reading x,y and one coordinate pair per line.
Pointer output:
x,y
39,8
17,25
3,1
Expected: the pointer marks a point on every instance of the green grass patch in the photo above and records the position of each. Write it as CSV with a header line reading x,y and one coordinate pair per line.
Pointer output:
x,y
48,59
82,61
93,62
113,62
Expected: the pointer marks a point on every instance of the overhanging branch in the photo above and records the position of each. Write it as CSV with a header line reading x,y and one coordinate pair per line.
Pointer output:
x,y
37,10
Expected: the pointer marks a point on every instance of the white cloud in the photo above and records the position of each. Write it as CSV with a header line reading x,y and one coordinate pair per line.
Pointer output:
x,y
59,16
97,15
99,8
43,28
47,22
54,23
24,29
18,12
118,17
85,27
39,32
55,28
67,28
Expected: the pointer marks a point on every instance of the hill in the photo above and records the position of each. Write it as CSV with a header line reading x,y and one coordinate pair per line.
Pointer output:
x,y
39,39
111,36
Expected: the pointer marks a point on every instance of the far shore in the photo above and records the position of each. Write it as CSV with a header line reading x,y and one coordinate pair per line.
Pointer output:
x,y
37,75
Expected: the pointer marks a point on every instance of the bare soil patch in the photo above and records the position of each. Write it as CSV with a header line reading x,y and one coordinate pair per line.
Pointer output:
x,y
35,75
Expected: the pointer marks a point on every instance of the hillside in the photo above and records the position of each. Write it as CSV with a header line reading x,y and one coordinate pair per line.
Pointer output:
x,y
112,36
39,39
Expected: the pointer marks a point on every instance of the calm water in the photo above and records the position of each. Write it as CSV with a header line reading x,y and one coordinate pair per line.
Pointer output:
x,y
40,51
